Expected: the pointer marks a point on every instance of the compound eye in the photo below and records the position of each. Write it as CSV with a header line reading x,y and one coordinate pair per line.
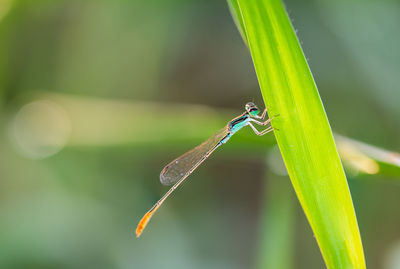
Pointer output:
x,y
253,111
249,106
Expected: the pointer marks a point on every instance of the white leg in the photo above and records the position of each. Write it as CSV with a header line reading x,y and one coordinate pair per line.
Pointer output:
x,y
263,132
263,123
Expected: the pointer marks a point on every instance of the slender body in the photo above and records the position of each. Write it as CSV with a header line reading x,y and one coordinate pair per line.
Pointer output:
x,y
179,169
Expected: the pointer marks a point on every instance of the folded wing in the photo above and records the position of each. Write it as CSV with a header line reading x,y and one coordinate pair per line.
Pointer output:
x,y
182,165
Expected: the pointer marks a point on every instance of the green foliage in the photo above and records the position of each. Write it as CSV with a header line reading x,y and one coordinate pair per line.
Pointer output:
x,y
303,132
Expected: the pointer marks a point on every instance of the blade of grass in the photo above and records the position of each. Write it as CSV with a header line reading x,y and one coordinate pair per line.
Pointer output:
x,y
304,137
361,158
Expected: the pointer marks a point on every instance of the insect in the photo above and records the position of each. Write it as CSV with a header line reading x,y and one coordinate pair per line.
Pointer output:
x,y
180,168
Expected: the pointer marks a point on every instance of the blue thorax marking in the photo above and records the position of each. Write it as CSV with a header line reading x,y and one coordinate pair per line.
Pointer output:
x,y
235,125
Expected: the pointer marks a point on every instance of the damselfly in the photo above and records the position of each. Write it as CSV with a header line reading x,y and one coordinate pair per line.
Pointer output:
x,y
179,169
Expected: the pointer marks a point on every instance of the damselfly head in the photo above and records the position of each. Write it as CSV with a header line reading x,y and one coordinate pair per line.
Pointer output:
x,y
252,109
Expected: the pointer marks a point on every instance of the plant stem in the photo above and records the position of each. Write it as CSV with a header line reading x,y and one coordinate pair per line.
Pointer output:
x,y
302,131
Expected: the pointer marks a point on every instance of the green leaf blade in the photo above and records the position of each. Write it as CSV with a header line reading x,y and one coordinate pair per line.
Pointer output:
x,y
304,135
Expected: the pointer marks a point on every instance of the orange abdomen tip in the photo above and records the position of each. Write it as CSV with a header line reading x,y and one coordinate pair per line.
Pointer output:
x,y
143,222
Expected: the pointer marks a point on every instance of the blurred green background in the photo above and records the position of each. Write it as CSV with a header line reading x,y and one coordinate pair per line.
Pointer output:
x,y
97,96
